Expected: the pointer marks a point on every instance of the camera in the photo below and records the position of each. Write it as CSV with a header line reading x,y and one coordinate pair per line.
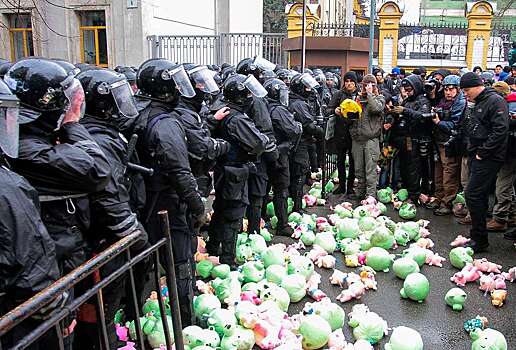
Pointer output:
x,y
395,100
443,114
454,147
431,85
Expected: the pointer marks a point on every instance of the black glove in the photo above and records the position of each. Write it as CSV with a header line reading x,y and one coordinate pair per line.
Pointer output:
x,y
222,147
271,157
58,303
195,204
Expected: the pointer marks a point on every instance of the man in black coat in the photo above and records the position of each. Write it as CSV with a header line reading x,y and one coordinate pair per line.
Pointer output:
x,y
162,146
234,168
287,132
486,130
57,154
302,86
27,254
415,152
341,142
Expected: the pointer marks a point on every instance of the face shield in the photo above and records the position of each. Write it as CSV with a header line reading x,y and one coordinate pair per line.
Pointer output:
x,y
181,79
123,95
254,86
9,129
308,81
76,105
283,96
263,64
203,79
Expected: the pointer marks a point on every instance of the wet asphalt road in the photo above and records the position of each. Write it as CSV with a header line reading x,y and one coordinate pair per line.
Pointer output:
x,y
440,326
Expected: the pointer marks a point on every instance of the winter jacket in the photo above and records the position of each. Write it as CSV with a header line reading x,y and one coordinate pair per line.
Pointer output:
x,y
415,107
27,253
342,125
487,127
442,130
369,125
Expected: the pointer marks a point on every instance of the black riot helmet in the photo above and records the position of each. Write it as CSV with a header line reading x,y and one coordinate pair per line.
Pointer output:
x,y
164,80
202,78
240,89
128,72
45,86
4,67
9,129
283,75
303,84
67,66
277,90
268,75
255,66
107,94
227,72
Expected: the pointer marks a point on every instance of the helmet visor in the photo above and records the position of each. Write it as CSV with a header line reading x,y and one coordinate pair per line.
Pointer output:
x,y
76,105
263,64
203,79
124,100
9,128
309,81
254,86
283,96
181,79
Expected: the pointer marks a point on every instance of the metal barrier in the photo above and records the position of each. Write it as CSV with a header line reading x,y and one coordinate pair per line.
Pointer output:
x,y
218,49
329,163
32,306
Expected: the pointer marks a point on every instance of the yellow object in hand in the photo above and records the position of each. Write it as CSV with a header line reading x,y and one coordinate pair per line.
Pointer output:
x,y
350,106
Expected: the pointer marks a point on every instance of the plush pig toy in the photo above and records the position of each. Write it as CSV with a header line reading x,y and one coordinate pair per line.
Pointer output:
x,y
468,274
484,265
354,291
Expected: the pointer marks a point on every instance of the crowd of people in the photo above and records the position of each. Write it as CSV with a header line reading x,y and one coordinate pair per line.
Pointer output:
x,y
90,155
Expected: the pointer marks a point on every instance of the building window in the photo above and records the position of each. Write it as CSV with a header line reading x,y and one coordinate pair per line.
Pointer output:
x,y
20,33
93,38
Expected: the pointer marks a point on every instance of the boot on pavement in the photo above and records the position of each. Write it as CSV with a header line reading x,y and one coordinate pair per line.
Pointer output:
x,y
465,220
494,225
442,211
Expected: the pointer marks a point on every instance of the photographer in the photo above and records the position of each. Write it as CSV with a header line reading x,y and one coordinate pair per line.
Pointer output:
x,y
486,130
415,150
447,167
434,91
365,132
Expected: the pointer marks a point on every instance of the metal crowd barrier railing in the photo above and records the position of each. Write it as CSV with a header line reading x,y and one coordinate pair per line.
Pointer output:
x,y
32,306
329,162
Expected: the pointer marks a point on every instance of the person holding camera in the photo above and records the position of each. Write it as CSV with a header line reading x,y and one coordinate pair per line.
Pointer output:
x,y
416,127
486,130
365,136
447,167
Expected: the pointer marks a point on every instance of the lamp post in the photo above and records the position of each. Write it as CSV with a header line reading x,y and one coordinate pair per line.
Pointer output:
x,y
372,15
303,39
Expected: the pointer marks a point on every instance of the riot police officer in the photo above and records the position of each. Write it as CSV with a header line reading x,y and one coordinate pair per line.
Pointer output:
x,y
162,146
202,148
108,98
27,251
302,86
259,113
57,154
233,169
287,132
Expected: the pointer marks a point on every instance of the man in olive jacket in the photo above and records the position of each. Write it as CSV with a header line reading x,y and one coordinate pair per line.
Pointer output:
x,y
365,135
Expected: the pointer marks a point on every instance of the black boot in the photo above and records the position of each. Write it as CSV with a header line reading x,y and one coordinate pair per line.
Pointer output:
x,y
341,189
285,231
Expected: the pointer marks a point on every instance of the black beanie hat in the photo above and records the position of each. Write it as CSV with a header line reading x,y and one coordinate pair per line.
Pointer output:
x,y
351,76
470,79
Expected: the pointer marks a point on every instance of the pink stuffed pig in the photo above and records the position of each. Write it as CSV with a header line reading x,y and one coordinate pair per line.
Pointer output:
x,y
487,283
460,241
354,291
327,261
510,275
468,274
434,259
485,266
316,252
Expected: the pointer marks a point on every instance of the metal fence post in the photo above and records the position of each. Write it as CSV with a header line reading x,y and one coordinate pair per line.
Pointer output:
x,y
154,46
171,281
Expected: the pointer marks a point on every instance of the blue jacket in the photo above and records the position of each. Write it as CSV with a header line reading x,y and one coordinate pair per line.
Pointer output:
x,y
444,127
